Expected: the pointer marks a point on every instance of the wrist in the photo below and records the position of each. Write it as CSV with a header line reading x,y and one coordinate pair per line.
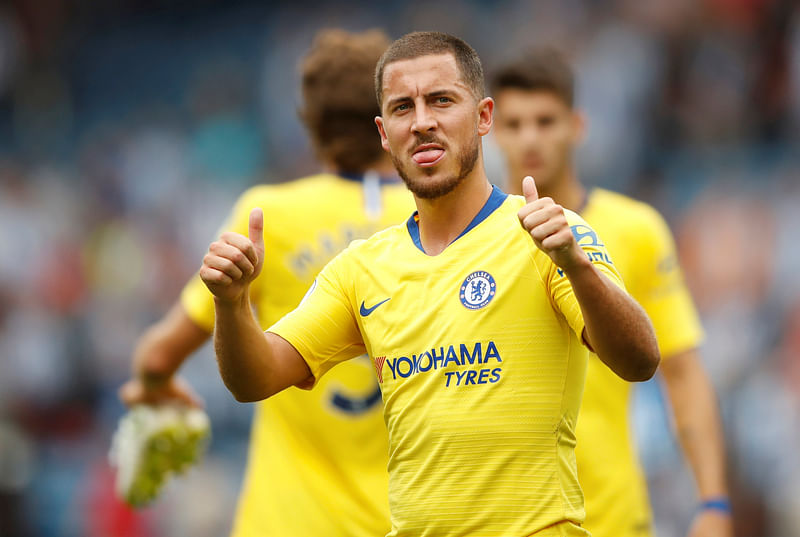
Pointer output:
x,y
241,302
578,266
153,380
720,504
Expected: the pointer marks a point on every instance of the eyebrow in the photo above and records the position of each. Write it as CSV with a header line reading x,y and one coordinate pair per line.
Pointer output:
x,y
433,94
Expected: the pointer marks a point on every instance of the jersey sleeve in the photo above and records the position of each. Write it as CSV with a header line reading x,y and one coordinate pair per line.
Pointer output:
x,y
196,300
662,291
323,328
559,287
198,303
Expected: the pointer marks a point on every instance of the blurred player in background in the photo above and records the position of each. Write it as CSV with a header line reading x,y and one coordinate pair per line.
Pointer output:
x,y
317,461
473,311
537,128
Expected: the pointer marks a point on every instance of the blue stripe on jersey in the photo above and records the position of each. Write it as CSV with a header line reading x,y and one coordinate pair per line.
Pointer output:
x,y
496,199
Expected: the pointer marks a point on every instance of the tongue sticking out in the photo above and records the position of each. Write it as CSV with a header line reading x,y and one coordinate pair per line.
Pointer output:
x,y
428,156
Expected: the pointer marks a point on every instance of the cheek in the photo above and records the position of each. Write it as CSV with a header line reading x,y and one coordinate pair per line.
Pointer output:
x,y
393,137
559,142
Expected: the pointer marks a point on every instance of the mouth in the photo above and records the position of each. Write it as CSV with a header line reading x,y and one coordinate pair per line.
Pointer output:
x,y
532,161
427,155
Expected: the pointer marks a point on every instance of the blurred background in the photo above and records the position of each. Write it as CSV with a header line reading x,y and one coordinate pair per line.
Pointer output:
x,y
127,129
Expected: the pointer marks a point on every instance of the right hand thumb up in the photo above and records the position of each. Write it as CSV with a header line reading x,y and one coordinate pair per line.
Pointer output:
x,y
256,235
225,271
256,232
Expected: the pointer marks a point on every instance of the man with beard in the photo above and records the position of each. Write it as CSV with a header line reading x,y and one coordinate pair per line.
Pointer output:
x,y
317,461
538,129
475,324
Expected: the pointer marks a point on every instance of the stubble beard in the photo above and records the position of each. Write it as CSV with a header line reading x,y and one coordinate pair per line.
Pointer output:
x,y
424,189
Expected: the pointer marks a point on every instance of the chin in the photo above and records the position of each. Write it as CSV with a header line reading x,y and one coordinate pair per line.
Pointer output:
x,y
427,187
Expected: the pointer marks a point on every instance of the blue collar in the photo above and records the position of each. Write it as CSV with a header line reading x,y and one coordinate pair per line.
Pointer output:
x,y
359,177
496,199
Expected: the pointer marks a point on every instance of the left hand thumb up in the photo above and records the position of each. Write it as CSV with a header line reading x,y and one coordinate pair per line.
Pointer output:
x,y
529,189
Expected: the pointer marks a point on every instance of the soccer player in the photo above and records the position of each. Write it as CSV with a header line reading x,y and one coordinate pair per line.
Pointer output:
x,y
538,129
317,461
473,313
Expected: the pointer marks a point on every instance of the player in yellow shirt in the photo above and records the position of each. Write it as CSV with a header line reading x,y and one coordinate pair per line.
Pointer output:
x,y
537,129
317,461
473,322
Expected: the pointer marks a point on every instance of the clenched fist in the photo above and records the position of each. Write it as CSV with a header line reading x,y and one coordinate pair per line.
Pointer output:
x,y
546,222
233,261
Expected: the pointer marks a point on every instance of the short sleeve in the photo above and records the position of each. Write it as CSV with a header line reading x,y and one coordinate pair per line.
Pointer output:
x,y
198,303
559,287
662,291
323,328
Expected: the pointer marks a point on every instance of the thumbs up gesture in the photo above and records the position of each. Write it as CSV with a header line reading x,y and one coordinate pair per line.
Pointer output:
x,y
545,221
233,260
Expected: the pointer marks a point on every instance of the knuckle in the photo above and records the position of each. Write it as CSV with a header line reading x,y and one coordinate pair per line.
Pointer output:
x,y
230,267
528,223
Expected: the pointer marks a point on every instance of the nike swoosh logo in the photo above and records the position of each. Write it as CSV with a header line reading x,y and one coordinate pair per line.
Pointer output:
x,y
366,311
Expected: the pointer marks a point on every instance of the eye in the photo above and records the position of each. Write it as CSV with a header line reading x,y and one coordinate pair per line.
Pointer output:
x,y
546,121
443,100
402,107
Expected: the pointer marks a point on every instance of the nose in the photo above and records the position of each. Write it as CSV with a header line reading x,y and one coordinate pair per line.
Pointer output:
x,y
529,134
424,120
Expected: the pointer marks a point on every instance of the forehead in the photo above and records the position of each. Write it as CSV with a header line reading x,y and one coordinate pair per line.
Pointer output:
x,y
405,78
513,101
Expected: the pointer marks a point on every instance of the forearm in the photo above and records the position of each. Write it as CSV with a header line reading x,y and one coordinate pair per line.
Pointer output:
x,y
697,421
617,328
243,353
162,348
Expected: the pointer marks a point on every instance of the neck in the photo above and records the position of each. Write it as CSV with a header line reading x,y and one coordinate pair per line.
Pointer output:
x,y
441,220
565,190
383,167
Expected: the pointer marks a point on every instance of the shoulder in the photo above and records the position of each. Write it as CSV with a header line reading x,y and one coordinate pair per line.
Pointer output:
x,y
381,246
616,206
269,193
382,242
633,221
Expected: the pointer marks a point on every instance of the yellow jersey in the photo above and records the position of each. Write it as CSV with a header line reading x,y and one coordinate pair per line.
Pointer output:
x,y
317,460
644,253
479,357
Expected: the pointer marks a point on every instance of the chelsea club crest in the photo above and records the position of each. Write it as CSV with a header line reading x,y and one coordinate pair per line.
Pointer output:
x,y
477,290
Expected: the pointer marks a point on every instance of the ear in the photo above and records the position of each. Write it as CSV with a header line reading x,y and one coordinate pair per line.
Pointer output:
x,y
382,132
485,115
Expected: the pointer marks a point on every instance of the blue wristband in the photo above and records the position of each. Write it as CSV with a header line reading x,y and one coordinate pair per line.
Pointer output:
x,y
717,504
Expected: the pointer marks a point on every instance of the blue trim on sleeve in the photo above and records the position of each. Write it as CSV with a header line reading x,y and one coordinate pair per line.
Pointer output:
x,y
716,504
496,199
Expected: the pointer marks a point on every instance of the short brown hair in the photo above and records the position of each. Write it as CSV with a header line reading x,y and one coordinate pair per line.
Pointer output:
x,y
418,44
540,69
338,107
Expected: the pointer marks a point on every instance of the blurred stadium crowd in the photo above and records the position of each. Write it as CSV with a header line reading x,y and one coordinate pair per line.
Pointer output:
x,y
127,128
